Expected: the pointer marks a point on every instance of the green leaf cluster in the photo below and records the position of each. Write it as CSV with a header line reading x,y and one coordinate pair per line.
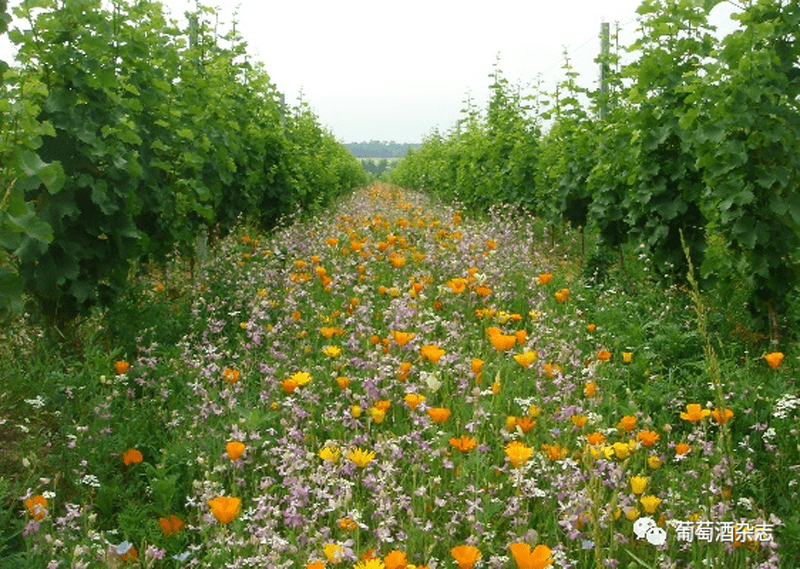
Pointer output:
x,y
125,137
695,140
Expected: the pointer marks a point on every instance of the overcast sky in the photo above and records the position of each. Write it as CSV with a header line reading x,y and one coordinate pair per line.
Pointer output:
x,y
396,70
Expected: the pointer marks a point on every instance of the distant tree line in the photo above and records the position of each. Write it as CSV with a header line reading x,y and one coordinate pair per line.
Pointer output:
x,y
379,149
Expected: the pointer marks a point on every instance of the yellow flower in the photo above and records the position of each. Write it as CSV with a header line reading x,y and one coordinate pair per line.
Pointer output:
x,y
627,357
301,378
378,415
579,420
527,358
414,399
694,413
562,295
330,454
621,450
224,508
360,458
370,564
632,514
457,285
654,462
333,552
638,484
518,453
650,503
545,278
355,411
331,351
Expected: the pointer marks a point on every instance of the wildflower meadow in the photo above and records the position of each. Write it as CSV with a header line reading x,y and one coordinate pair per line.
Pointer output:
x,y
399,383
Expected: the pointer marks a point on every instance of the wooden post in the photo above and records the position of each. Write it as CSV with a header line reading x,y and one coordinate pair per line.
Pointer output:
x,y
605,46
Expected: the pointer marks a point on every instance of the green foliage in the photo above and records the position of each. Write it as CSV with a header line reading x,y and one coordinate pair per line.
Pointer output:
x,y
125,138
747,131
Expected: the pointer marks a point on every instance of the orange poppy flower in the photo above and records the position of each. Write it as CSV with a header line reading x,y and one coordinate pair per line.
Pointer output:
x,y
720,417
405,369
315,565
562,295
224,508
464,443
774,359
231,376
477,366
539,558
627,423
502,342
395,560
694,413
545,278
590,389
439,414
483,291
648,438
595,438
525,423
682,448
603,355
132,456
234,449
402,338
554,452
431,353
466,556
122,367
171,525
37,506
551,370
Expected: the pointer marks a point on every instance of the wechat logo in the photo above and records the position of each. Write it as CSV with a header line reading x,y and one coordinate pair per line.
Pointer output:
x,y
646,528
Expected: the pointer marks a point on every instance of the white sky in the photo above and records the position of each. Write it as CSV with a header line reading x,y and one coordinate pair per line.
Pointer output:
x,y
374,70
